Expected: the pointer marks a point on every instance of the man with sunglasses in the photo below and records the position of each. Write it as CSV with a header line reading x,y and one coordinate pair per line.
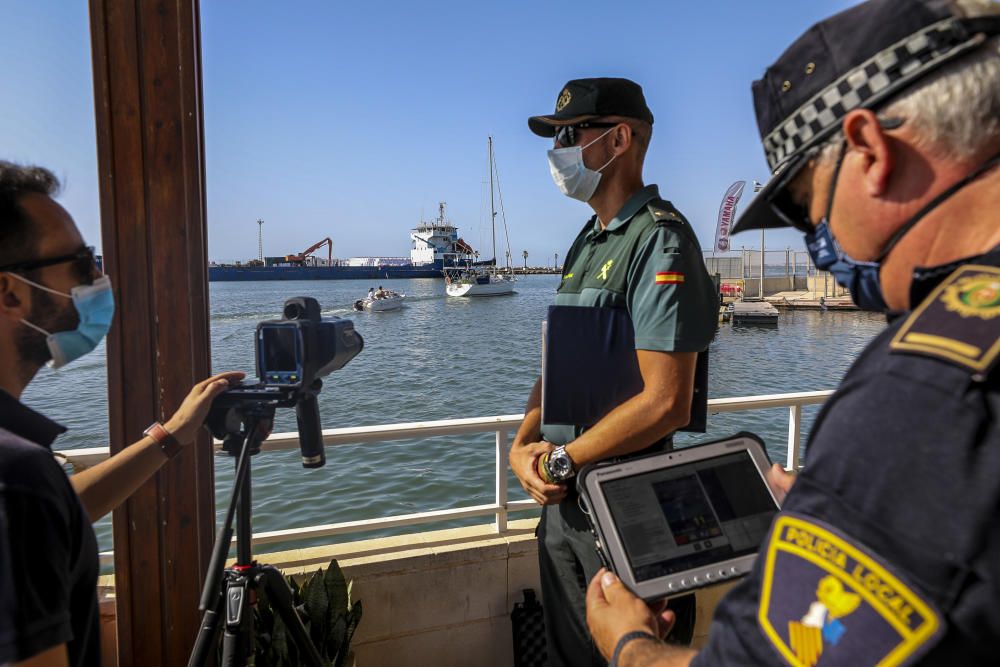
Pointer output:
x,y
55,306
882,127
637,254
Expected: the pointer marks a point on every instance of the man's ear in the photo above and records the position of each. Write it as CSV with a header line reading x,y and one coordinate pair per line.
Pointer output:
x,y
12,302
622,138
868,142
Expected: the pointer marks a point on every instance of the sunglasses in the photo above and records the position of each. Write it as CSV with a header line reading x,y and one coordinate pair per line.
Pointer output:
x,y
83,260
791,212
566,135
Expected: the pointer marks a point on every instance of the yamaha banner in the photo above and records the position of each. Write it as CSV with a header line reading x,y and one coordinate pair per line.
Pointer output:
x,y
727,215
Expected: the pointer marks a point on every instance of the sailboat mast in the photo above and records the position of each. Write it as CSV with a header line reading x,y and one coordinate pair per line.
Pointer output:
x,y
493,208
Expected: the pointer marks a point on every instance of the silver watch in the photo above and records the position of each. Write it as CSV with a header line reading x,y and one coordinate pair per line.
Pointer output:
x,y
560,465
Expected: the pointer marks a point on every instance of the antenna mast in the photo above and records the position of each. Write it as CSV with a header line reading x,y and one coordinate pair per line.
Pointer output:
x,y
493,209
260,240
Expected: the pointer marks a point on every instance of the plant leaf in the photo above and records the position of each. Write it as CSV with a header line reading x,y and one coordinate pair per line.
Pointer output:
x,y
317,606
337,588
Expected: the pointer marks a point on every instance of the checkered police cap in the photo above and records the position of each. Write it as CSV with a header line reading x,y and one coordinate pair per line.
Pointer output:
x,y
860,58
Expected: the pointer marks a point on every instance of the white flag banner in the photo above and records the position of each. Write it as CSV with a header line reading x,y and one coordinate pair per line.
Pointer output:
x,y
727,215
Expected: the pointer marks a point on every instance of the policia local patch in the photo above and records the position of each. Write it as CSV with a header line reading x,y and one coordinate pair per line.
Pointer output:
x,y
958,322
827,600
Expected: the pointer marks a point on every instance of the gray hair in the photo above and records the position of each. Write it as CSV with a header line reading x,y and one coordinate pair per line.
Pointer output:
x,y
955,112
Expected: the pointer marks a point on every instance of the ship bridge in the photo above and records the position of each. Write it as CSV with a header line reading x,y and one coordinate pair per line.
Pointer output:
x,y
437,241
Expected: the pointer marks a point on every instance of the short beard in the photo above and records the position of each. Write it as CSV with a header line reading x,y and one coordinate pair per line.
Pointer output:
x,y
32,346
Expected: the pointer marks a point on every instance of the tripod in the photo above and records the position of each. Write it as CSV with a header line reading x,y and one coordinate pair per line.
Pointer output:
x,y
230,592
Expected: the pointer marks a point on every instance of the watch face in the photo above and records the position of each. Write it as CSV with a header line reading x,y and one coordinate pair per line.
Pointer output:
x,y
560,465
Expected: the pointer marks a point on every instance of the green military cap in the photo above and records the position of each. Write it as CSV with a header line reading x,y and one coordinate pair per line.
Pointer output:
x,y
586,99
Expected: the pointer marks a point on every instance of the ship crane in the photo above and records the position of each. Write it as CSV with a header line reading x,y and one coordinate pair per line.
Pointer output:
x,y
301,257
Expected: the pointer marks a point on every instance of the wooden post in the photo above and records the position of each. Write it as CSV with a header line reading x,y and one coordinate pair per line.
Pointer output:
x,y
147,89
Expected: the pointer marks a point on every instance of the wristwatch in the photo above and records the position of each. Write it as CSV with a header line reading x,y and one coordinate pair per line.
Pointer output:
x,y
559,465
161,436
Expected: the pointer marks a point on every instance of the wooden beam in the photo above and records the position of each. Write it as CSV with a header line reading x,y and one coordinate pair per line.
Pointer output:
x,y
147,88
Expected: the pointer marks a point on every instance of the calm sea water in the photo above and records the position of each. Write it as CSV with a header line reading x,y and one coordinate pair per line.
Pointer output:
x,y
441,358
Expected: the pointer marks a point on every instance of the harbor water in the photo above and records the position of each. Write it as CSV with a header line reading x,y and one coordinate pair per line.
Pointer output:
x,y
441,358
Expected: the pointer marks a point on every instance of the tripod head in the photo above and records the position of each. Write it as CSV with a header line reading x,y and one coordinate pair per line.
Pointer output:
x,y
292,355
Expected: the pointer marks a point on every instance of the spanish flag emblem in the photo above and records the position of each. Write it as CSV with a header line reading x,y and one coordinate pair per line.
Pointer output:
x,y
669,278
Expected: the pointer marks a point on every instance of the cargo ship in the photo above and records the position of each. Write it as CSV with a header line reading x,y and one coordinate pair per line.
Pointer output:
x,y
435,246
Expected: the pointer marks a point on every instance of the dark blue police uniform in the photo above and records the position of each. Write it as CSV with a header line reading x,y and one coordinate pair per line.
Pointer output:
x,y
887,550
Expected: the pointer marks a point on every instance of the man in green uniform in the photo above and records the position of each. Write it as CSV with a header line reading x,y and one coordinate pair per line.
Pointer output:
x,y
636,253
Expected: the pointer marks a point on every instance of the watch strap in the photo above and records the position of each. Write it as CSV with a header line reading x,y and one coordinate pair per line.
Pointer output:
x,y
164,438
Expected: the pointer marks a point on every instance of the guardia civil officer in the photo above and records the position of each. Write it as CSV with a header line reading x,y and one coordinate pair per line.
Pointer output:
x,y
882,127
636,253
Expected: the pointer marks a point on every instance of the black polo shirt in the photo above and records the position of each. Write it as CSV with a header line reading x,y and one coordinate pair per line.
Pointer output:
x,y
48,550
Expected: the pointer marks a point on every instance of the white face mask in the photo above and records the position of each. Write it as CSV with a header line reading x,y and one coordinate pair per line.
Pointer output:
x,y
571,176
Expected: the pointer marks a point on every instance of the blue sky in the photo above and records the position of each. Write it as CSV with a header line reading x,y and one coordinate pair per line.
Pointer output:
x,y
350,120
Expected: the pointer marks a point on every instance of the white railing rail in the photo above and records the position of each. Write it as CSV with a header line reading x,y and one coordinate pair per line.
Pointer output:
x,y
502,426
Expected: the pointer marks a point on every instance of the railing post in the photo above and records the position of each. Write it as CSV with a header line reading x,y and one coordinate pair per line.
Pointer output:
x,y
501,480
794,436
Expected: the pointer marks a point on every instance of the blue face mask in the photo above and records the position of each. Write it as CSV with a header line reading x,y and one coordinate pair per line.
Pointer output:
x,y
860,278
95,305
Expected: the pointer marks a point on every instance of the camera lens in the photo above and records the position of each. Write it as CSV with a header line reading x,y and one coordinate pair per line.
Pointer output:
x,y
293,311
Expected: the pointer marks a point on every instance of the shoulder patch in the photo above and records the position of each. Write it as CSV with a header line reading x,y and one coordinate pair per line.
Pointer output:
x,y
663,212
825,595
958,322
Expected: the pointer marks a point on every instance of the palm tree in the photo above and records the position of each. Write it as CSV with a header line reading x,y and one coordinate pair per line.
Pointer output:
x,y
524,254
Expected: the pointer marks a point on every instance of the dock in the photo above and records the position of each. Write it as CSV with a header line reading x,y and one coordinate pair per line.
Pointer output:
x,y
755,312
804,300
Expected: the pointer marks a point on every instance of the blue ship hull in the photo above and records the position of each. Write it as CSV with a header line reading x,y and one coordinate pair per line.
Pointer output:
x,y
253,273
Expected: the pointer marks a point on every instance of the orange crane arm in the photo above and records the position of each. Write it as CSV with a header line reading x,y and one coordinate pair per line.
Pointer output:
x,y
313,248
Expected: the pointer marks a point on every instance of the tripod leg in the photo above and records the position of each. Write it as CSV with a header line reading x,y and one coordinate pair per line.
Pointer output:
x,y
278,593
208,634
236,642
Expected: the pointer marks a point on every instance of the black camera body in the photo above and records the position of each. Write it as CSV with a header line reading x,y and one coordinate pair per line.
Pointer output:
x,y
292,356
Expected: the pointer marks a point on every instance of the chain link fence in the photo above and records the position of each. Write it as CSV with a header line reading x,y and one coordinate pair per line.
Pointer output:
x,y
783,271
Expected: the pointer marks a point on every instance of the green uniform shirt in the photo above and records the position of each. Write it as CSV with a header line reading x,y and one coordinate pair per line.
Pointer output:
x,y
647,260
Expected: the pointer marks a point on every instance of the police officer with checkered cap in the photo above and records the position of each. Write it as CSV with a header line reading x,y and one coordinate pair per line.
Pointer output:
x,y
882,128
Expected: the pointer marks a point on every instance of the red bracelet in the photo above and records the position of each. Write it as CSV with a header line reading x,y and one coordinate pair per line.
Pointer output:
x,y
162,437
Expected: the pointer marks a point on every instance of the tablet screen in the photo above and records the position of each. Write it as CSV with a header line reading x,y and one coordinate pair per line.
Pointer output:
x,y
689,515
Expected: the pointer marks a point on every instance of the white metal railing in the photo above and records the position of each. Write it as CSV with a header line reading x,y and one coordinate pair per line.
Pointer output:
x,y
501,425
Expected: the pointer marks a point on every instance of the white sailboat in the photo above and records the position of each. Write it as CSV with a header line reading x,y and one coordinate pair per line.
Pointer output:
x,y
484,280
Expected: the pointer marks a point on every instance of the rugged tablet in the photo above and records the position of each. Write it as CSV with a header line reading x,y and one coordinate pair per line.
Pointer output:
x,y
673,521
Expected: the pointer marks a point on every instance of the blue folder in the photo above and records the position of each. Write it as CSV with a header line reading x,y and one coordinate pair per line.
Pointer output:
x,y
589,367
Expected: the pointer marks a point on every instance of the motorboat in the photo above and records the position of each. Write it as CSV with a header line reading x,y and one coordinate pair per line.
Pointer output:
x,y
387,301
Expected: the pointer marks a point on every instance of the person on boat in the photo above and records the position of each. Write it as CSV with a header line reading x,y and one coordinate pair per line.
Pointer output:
x,y
55,306
371,292
380,294
636,253
882,126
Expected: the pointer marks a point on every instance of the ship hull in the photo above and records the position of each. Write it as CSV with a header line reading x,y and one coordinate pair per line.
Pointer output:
x,y
255,273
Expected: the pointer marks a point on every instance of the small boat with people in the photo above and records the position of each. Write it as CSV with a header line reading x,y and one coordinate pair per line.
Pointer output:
x,y
380,300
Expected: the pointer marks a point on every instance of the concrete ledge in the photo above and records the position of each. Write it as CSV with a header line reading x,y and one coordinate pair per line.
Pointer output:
x,y
432,598
439,597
